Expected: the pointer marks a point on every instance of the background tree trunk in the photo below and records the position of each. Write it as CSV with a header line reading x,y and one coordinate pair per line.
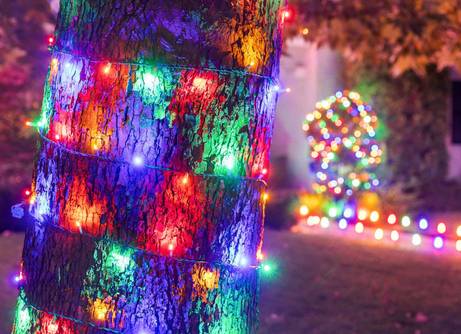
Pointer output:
x,y
148,190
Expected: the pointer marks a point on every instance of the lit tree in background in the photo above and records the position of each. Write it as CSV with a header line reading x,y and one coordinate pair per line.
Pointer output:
x,y
397,54
148,193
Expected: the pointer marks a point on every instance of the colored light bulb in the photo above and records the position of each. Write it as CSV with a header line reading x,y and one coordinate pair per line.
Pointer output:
x,y
303,210
458,245
265,196
458,231
438,242
243,262
332,212
374,216
138,161
228,162
106,68
392,219
406,221
441,228
379,234
313,220
324,222
359,228
362,214
395,235
423,224
348,213
416,239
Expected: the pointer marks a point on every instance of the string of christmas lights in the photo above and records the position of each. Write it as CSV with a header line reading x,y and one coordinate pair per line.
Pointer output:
x,y
138,161
393,227
244,263
221,70
24,314
346,151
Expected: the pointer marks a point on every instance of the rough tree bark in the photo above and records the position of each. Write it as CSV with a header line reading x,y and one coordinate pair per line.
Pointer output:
x,y
148,193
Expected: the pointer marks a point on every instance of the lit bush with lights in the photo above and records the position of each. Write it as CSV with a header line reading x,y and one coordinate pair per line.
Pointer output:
x,y
344,151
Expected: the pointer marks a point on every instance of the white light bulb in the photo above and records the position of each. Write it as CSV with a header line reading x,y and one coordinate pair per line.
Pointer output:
x,y
138,161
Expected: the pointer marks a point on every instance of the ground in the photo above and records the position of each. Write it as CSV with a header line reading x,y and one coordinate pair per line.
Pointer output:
x,y
325,284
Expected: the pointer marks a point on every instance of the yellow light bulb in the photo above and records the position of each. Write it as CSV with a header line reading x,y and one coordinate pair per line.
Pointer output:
x,y
303,210
359,228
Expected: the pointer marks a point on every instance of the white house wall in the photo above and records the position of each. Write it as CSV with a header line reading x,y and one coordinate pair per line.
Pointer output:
x,y
312,74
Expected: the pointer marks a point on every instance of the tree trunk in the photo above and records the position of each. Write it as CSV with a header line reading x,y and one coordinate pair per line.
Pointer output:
x,y
148,190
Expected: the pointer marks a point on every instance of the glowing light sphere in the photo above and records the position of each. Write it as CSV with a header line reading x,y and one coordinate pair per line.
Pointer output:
x,y
342,224
267,267
416,239
441,228
313,220
458,231
151,81
395,236
228,162
438,242
303,210
333,212
348,213
379,234
120,260
406,221
458,245
374,216
362,214
423,224
265,196
185,179
243,262
138,161
106,68
359,228
324,222
392,219
340,133
18,278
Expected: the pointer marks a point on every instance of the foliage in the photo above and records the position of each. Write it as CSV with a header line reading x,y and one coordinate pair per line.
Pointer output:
x,y
24,26
399,35
398,53
414,111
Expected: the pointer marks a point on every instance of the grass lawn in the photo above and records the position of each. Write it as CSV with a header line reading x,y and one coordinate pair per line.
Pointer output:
x,y
329,285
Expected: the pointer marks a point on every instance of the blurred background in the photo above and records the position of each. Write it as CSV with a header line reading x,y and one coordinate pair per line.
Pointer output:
x,y
364,209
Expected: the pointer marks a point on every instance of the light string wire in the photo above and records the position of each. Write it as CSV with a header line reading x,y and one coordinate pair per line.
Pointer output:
x,y
106,239
242,73
57,315
166,169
